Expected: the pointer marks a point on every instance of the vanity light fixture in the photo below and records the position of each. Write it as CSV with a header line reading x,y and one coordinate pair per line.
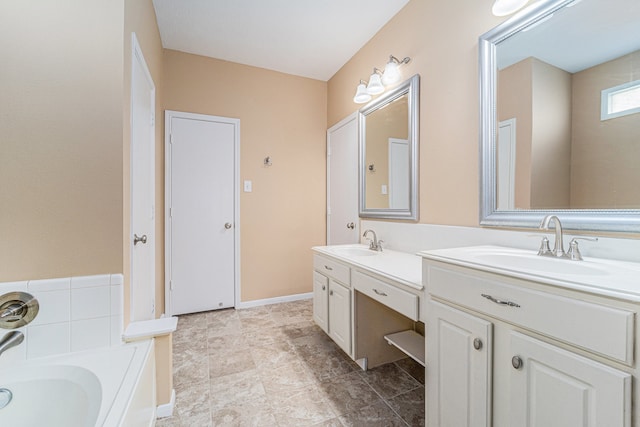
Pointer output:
x,y
361,93
375,86
391,74
379,79
507,7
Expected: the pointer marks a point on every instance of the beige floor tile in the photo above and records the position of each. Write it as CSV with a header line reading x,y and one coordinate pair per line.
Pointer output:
x,y
348,393
377,415
389,380
303,408
234,389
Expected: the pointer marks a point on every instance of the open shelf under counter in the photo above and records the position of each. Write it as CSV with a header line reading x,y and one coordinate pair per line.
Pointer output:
x,y
409,342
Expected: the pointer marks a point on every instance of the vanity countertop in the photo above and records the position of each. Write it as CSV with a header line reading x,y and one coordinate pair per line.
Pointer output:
x,y
401,267
618,279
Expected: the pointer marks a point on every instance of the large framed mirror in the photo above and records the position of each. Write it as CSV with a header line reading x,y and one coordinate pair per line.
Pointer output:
x,y
388,133
560,116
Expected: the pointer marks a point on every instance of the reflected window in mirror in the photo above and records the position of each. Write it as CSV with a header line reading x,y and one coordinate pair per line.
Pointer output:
x,y
546,143
388,131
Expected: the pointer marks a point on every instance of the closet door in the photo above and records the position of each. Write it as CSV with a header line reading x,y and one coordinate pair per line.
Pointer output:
x,y
342,182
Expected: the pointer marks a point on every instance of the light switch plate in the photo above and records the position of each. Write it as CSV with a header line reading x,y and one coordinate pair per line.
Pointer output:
x,y
248,186
383,189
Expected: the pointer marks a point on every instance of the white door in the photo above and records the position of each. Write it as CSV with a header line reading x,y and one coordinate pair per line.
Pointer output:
x,y
398,173
506,164
459,358
342,182
202,232
557,388
142,188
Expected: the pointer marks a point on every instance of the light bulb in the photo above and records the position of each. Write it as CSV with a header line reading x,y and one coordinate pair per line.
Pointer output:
x,y
507,7
361,94
375,84
391,74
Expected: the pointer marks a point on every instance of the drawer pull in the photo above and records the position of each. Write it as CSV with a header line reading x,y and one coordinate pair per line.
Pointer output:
x,y
516,362
499,301
324,287
331,293
382,294
328,268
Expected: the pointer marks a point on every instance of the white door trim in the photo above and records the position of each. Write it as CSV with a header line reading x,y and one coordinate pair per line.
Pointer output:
x,y
167,197
138,57
351,117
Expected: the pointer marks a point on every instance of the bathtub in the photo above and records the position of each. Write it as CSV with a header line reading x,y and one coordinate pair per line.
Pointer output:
x,y
111,387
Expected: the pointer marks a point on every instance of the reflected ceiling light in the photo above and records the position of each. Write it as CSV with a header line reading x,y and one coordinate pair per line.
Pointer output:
x,y
507,7
361,94
375,83
391,73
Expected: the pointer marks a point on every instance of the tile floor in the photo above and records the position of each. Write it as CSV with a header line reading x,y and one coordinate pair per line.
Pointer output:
x,y
272,366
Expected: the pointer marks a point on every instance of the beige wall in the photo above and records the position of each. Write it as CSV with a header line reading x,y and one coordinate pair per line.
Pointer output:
x,y
551,137
61,138
605,154
441,37
281,116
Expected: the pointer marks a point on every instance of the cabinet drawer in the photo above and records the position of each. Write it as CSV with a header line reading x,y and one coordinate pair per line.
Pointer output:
x,y
401,301
330,268
598,328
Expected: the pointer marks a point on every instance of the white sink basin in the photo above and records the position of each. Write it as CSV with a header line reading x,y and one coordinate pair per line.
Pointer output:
x,y
535,263
353,251
609,277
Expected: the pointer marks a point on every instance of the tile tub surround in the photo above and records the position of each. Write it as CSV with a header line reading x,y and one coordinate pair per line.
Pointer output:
x,y
272,366
76,313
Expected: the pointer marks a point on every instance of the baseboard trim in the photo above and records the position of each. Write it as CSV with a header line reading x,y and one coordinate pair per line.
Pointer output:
x,y
275,300
166,410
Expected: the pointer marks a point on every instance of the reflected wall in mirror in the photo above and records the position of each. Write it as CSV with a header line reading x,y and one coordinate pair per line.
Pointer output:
x,y
560,101
388,131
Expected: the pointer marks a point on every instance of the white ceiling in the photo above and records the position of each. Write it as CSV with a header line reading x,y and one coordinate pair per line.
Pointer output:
x,y
309,38
578,37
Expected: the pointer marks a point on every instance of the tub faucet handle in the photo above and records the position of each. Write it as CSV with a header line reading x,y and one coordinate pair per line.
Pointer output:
x,y
10,339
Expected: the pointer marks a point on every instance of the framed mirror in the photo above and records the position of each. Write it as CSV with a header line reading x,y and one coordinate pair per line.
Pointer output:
x,y
388,133
560,116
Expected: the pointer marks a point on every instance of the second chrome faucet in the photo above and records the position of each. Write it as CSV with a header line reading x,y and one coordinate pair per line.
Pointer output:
x,y
375,244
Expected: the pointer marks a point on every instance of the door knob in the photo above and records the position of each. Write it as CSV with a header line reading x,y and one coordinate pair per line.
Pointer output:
x,y
351,226
228,225
137,239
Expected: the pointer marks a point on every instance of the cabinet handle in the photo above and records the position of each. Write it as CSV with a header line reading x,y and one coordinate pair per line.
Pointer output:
x,y
380,293
330,292
328,268
351,226
324,287
499,301
477,343
516,362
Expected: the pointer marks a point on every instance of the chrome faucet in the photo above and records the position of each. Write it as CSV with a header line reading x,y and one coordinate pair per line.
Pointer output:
x,y
558,245
375,244
10,339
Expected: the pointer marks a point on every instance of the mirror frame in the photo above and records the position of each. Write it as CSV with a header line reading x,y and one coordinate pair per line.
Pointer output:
x,y
617,220
411,87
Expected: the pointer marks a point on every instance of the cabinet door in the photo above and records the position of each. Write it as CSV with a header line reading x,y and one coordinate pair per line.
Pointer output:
x,y
321,301
556,388
340,315
459,352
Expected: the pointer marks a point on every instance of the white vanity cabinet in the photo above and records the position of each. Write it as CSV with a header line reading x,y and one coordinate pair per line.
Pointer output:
x,y
332,300
459,373
369,302
503,351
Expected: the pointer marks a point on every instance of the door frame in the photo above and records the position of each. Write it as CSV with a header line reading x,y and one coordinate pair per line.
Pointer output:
x,y
351,117
138,57
168,116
